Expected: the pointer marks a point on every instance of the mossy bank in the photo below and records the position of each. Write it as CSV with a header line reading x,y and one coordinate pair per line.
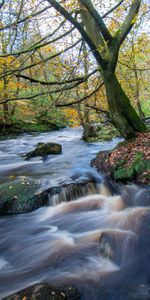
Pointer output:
x,y
128,162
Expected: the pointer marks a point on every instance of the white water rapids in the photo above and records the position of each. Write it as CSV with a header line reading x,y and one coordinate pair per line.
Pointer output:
x,y
99,243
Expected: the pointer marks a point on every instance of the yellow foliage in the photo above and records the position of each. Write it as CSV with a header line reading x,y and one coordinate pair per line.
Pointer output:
x,y
72,115
70,5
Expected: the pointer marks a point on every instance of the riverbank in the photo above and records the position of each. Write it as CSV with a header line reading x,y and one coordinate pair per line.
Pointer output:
x,y
13,130
128,162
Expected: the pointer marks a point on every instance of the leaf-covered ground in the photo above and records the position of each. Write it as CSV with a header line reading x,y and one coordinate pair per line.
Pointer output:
x,y
129,161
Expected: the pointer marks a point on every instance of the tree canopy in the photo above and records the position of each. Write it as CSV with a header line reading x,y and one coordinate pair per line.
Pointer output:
x,y
43,56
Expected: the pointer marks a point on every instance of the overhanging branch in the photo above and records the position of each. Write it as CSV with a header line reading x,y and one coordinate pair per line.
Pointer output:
x,y
36,47
44,93
82,99
41,62
80,79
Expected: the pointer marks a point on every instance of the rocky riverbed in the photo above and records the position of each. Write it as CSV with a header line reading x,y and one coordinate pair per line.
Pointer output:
x,y
71,243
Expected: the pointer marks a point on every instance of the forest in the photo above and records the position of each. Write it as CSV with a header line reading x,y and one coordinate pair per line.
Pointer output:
x,y
53,69
74,149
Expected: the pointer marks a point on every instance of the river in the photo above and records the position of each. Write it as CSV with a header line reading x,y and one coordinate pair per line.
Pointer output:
x,y
99,244
76,155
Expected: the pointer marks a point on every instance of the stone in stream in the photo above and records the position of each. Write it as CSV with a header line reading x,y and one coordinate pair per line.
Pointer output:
x,y
25,195
18,196
44,149
45,292
117,245
105,246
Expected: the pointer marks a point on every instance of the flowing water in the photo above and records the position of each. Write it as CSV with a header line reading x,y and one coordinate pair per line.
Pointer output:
x,y
56,169
98,243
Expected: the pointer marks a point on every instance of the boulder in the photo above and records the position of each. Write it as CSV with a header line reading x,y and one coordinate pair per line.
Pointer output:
x,y
99,132
19,196
25,194
44,149
45,292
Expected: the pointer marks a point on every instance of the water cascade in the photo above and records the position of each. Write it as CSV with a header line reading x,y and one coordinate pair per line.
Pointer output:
x,y
97,243
92,235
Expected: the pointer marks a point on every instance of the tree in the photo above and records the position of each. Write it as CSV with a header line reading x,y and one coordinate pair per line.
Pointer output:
x,y
133,70
44,27
105,48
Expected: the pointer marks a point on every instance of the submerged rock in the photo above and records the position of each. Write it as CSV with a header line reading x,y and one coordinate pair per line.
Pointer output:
x,y
105,246
45,292
43,150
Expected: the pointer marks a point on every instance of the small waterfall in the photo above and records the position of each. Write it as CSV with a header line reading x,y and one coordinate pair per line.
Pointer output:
x,y
83,182
74,191
98,243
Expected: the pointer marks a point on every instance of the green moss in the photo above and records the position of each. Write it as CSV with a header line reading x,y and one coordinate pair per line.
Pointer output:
x,y
17,194
21,127
103,133
43,149
137,168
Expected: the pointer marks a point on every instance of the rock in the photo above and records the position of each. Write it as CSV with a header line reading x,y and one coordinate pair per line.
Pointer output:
x,y
141,292
45,292
25,195
105,246
20,196
99,132
43,150
101,162
128,162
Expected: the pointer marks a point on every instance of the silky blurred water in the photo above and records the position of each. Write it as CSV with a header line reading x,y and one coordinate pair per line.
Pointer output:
x,y
76,156
99,244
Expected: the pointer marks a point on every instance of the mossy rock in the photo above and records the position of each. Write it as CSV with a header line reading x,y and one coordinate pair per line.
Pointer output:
x,y
43,150
19,196
45,292
137,170
102,132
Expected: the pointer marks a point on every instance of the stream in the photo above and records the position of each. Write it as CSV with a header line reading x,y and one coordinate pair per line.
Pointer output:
x,y
76,156
98,243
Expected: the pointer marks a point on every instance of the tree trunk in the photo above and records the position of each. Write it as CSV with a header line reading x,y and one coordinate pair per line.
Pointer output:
x,y
124,117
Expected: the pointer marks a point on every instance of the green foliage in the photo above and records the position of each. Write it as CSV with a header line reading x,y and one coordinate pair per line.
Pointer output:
x,y
125,172
46,113
102,132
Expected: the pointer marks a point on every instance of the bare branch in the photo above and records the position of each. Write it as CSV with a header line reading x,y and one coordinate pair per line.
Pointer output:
x,y
112,9
44,93
132,68
79,79
25,19
99,110
80,28
16,27
82,99
34,48
40,62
